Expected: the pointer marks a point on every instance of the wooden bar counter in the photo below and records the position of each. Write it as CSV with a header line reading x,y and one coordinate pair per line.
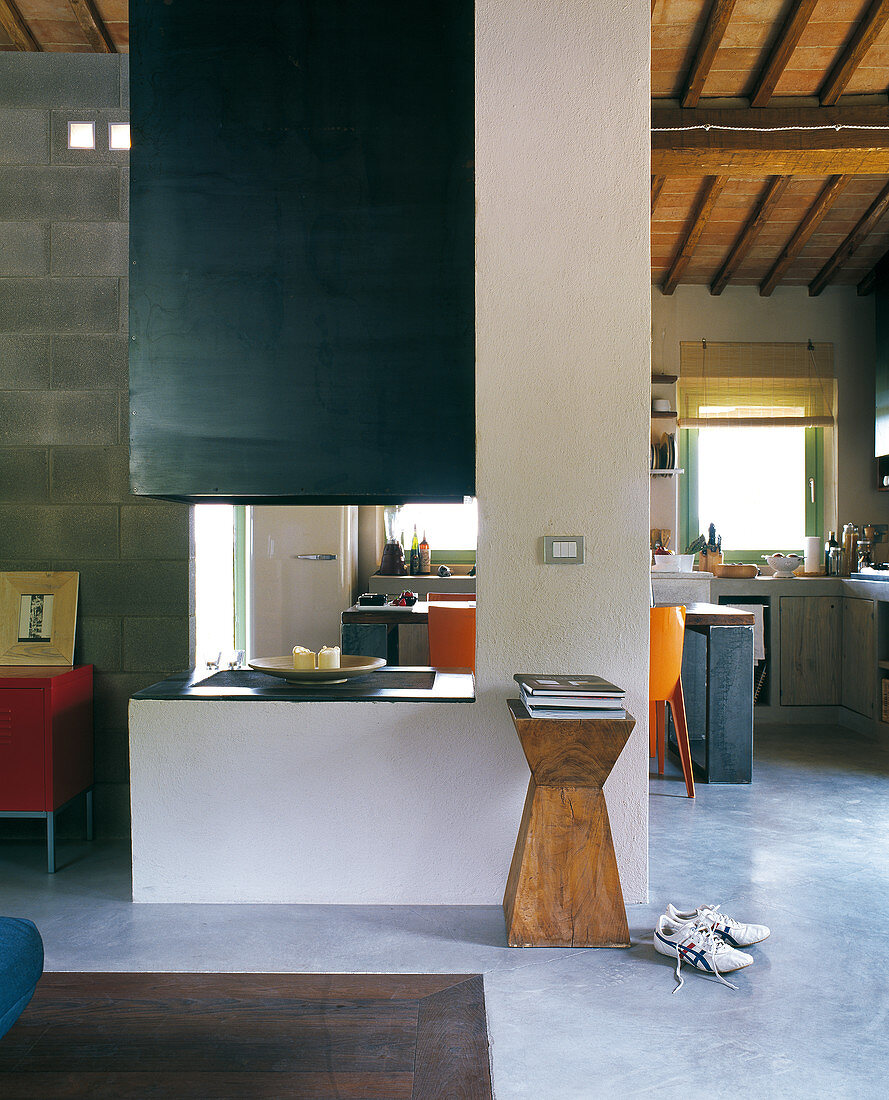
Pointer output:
x,y
563,888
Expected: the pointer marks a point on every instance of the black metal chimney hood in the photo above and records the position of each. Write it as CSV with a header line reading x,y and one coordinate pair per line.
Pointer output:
x,y
302,251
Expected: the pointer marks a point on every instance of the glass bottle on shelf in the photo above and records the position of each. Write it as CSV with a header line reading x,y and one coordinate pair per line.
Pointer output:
x,y
415,554
425,557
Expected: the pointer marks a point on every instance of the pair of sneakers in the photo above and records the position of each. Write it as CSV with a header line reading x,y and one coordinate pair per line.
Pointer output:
x,y
708,939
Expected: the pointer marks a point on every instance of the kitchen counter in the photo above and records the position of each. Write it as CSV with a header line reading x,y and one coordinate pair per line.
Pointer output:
x,y
717,682
418,615
397,634
431,582
386,685
713,614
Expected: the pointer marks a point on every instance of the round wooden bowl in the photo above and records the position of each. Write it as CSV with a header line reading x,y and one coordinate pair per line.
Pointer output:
x,y
737,571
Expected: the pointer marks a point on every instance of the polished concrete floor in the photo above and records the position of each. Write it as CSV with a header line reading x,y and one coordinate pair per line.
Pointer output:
x,y
804,849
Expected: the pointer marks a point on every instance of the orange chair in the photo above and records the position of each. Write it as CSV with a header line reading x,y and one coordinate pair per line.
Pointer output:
x,y
451,635
665,686
458,597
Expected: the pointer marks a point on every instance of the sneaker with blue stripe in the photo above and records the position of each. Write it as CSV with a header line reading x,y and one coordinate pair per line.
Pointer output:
x,y
698,943
733,932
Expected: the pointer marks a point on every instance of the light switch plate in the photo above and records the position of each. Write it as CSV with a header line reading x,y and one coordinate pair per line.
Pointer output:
x,y
563,549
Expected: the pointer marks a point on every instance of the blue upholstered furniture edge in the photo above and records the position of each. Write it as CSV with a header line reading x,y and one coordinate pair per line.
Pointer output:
x,y
21,965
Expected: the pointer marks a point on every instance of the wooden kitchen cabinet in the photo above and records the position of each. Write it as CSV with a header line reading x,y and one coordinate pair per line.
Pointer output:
x,y
46,743
811,651
859,656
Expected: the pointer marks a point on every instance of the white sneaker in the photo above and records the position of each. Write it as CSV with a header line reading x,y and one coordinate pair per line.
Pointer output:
x,y
697,942
733,932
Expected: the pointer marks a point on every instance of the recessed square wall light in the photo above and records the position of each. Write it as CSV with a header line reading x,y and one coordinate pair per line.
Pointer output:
x,y
118,135
81,135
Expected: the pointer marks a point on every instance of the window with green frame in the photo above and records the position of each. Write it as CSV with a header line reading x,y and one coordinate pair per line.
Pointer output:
x,y
451,529
762,487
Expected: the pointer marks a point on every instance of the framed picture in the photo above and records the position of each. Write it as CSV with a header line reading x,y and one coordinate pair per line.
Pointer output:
x,y
37,616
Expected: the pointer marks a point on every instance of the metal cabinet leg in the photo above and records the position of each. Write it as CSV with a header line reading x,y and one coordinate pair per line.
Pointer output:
x,y
51,842
89,814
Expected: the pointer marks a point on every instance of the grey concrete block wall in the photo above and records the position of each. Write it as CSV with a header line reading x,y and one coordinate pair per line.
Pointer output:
x,y
64,492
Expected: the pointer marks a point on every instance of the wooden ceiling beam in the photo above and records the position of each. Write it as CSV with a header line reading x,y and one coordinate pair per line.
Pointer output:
x,y
774,190
850,245
786,43
93,26
657,185
758,143
861,41
868,283
703,209
812,219
17,29
717,21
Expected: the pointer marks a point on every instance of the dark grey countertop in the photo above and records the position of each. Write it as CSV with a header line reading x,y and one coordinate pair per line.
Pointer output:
x,y
386,685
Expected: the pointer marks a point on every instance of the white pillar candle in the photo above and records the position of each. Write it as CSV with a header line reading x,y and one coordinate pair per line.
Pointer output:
x,y
814,555
329,656
302,657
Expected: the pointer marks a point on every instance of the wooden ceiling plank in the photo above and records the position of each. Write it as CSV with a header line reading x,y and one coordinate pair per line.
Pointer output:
x,y
812,219
93,26
850,245
703,209
17,29
758,142
657,185
756,221
790,34
717,21
861,41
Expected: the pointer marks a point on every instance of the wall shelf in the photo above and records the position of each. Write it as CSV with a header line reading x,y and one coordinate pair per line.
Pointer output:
x,y
673,473
664,379
663,415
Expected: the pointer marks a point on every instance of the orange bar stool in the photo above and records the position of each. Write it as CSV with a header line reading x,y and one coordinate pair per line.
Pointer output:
x,y
451,635
665,686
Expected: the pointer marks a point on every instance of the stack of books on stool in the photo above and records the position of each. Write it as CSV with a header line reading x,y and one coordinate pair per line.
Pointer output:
x,y
571,696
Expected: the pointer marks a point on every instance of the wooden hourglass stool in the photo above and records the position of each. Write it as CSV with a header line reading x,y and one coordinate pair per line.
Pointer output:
x,y
563,888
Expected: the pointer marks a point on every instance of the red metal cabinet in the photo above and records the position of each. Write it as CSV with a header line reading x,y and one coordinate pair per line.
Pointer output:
x,y
46,743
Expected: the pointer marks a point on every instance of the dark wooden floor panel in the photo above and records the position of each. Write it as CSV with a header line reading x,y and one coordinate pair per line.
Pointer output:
x,y
182,1036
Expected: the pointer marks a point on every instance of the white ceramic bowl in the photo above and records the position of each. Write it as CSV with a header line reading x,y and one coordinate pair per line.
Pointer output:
x,y
784,564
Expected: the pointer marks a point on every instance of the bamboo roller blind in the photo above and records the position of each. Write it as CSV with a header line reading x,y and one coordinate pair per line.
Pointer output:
x,y
755,385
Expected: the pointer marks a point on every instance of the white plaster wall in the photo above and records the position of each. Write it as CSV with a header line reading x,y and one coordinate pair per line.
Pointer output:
x,y
369,803
838,316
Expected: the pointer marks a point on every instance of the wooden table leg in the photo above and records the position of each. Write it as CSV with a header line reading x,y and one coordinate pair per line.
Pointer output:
x,y
563,888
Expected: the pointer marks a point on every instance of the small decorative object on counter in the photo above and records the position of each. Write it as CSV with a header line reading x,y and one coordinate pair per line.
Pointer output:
x,y
425,558
784,565
372,599
698,546
415,554
392,561
302,657
443,571
831,544
406,599
329,656
711,555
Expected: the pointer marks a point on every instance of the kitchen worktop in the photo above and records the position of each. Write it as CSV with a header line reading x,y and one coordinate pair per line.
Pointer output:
x,y
386,685
712,614
417,615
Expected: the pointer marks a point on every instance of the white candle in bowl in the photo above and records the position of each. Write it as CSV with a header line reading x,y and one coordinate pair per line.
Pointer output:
x,y
302,657
329,656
